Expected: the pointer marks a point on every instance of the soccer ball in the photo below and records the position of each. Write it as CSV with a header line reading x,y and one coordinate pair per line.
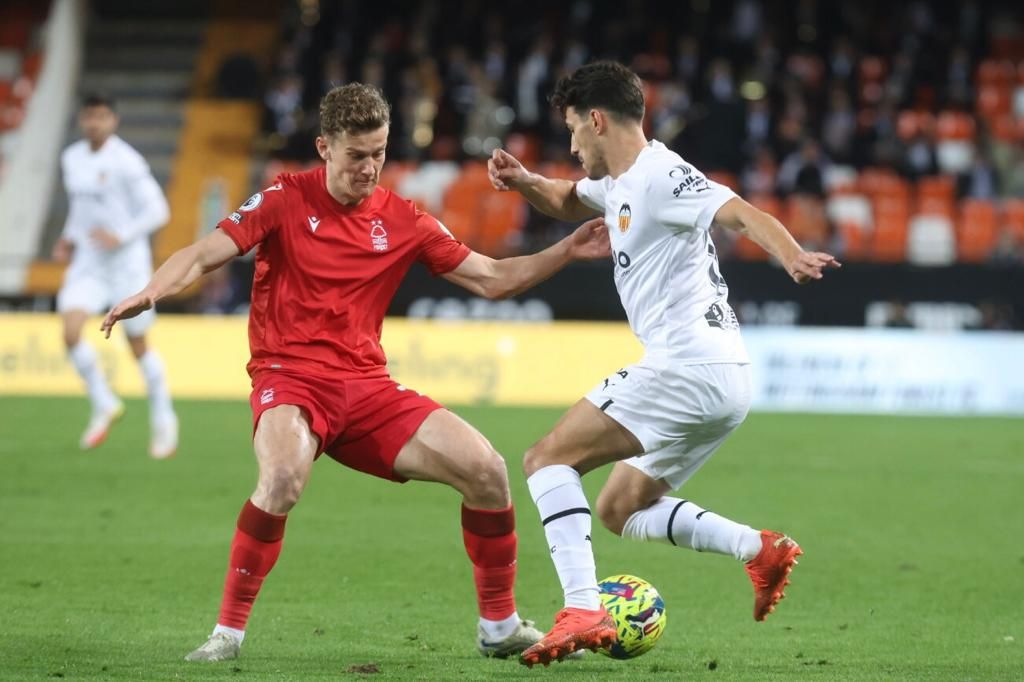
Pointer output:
x,y
639,614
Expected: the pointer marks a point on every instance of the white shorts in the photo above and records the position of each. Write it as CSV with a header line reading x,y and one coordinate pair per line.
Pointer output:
x,y
97,292
679,413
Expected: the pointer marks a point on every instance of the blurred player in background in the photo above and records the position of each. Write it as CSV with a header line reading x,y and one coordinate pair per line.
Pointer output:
x,y
661,418
115,204
333,248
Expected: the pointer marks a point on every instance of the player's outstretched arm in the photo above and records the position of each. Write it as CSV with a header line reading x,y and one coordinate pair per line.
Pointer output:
x,y
553,196
773,237
497,279
180,270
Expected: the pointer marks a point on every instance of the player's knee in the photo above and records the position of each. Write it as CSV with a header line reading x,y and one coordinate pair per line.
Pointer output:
x,y
486,480
71,337
281,487
536,457
613,512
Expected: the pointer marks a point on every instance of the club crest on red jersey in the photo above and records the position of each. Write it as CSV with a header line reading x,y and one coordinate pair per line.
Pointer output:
x,y
378,235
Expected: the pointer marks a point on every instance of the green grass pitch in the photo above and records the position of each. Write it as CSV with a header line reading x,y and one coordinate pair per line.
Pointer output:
x,y
112,564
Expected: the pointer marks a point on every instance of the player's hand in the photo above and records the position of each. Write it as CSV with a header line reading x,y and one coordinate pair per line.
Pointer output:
x,y
129,307
505,171
62,251
810,265
590,241
105,238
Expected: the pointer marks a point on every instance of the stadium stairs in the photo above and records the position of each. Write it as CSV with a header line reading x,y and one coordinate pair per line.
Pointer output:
x,y
159,60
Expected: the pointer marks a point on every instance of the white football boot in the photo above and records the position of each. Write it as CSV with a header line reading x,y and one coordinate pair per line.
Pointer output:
x,y
99,426
163,441
523,637
221,646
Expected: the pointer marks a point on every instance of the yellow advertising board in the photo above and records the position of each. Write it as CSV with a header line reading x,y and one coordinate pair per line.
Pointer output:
x,y
453,362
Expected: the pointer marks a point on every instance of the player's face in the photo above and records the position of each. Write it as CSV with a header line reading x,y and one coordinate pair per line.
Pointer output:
x,y
585,144
354,162
97,123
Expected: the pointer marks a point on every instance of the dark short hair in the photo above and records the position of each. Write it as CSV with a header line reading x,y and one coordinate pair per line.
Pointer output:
x,y
604,85
353,108
98,99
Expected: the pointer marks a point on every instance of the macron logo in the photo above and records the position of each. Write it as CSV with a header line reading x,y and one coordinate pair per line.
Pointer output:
x,y
314,223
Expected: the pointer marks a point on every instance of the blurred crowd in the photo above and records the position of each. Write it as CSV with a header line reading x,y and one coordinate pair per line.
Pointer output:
x,y
772,93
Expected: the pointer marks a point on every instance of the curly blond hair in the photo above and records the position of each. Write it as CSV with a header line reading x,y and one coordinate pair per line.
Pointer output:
x,y
353,108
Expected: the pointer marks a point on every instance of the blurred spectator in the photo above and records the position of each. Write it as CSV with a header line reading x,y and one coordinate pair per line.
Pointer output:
x,y
981,181
803,171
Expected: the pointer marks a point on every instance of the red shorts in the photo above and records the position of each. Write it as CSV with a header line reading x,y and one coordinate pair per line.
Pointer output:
x,y
361,422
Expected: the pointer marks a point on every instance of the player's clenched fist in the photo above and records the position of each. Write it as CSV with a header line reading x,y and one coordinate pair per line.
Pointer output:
x,y
505,171
129,307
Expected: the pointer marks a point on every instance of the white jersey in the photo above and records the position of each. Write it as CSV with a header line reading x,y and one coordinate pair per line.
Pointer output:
x,y
111,188
659,214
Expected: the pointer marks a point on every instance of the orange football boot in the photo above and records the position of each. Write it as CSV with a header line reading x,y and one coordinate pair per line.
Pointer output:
x,y
575,629
770,569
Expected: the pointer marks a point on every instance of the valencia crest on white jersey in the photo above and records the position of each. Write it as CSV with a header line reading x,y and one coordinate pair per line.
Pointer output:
x,y
659,214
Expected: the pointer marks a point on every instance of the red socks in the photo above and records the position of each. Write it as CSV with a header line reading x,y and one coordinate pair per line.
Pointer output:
x,y
490,537
254,551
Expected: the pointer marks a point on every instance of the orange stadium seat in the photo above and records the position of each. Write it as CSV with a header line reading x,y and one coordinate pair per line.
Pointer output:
x,y
502,214
936,195
977,230
889,239
954,125
1013,217
807,220
996,72
994,100
725,178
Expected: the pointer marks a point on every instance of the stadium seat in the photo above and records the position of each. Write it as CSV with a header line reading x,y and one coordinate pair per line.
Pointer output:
x,y
998,72
977,230
852,216
930,240
936,195
1013,217
994,100
725,178
807,220
888,243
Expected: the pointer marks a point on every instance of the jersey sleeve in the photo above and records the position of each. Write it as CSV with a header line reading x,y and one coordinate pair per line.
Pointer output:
x,y
148,204
257,218
683,199
75,228
440,251
593,192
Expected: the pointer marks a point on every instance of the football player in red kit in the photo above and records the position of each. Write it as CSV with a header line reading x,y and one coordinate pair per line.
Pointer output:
x,y
333,248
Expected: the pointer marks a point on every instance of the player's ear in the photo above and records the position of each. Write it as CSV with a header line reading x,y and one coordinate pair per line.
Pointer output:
x,y
322,148
598,120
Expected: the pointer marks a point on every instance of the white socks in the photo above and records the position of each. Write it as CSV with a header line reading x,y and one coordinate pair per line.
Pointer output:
x,y
152,367
498,630
237,634
558,493
83,356
682,523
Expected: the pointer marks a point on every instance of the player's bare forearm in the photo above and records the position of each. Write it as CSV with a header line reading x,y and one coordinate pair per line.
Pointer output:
x,y
555,197
189,264
498,279
178,272
515,275
772,236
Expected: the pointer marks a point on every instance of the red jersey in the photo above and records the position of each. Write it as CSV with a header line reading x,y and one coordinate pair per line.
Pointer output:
x,y
326,272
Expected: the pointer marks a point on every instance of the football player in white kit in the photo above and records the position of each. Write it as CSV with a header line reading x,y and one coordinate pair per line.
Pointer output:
x,y
114,206
660,419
